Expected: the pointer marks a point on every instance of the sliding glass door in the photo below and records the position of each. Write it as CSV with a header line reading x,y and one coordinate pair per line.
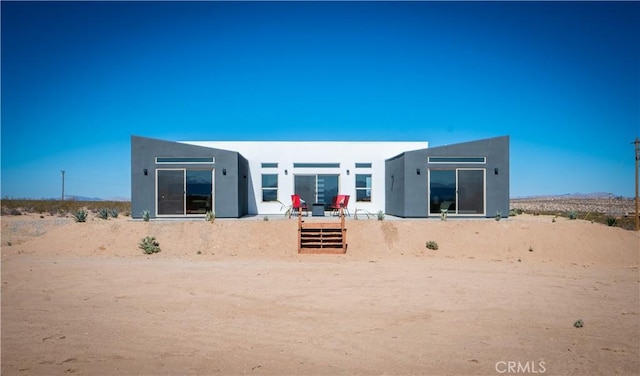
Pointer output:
x,y
459,191
319,188
184,191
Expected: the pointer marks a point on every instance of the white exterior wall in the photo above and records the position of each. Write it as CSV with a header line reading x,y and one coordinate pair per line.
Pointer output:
x,y
286,153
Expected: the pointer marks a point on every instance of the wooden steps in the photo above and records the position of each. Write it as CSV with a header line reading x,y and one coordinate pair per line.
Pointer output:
x,y
322,237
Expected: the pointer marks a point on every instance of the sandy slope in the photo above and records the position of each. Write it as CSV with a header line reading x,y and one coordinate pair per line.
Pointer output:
x,y
82,298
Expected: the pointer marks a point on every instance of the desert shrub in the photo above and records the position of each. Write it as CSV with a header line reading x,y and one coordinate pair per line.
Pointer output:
x,y
498,215
210,216
578,323
114,213
572,214
80,215
15,212
443,214
611,221
103,213
265,218
431,244
149,245
380,215
59,207
146,215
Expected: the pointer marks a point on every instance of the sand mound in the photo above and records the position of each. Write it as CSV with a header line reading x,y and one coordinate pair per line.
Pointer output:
x,y
525,238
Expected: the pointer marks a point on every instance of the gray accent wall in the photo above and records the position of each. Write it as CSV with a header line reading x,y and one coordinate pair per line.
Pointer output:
x,y
406,176
230,189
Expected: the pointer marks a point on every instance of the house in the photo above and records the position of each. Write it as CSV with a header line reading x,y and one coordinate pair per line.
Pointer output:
x,y
240,178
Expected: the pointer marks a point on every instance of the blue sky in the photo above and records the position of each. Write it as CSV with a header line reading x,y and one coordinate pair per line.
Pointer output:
x,y
78,78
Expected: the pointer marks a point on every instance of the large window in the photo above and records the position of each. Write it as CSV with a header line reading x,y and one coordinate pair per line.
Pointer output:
x,y
184,191
458,191
363,187
269,187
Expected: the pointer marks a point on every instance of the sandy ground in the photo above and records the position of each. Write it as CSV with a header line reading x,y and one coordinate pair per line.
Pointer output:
x,y
234,297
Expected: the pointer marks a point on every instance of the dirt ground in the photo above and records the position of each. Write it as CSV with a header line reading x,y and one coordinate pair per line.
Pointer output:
x,y
234,297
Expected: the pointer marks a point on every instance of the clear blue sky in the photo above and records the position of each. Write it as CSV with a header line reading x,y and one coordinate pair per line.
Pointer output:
x,y
78,78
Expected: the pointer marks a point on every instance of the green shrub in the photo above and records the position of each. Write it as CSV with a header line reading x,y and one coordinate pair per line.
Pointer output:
x,y
103,213
149,245
572,214
146,215
80,215
210,216
380,215
611,221
443,214
432,245
498,215
114,213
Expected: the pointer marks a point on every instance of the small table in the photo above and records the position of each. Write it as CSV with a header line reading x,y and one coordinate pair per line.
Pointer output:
x,y
317,210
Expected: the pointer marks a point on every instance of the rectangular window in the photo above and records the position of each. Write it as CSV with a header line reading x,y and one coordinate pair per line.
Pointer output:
x,y
363,165
316,165
269,187
269,165
457,159
363,187
175,160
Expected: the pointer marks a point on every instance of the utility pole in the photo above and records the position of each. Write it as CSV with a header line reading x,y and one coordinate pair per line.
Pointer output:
x,y
637,214
62,171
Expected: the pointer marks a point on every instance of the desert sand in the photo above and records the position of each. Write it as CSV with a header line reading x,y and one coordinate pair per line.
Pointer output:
x,y
234,297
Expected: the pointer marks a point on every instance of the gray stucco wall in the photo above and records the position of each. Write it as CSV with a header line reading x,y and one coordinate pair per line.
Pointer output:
x,y
394,196
412,199
230,198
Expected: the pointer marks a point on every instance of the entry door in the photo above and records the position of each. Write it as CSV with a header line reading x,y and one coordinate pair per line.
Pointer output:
x,y
184,191
459,191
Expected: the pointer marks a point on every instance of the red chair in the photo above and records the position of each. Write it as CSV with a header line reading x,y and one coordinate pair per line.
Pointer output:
x,y
297,204
339,201
345,203
334,204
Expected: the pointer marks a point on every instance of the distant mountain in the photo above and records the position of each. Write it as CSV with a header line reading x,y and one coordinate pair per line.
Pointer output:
x,y
593,195
84,198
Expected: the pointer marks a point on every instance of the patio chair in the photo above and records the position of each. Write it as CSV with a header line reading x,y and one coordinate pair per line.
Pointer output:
x,y
297,204
340,201
336,201
345,203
